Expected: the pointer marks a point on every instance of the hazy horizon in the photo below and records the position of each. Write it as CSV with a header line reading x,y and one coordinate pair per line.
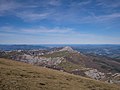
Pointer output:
x,y
59,44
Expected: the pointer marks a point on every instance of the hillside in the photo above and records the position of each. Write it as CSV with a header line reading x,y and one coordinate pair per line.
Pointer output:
x,y
71,61
21,76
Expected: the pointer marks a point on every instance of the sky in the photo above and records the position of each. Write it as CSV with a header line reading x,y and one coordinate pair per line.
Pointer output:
x,y
59,21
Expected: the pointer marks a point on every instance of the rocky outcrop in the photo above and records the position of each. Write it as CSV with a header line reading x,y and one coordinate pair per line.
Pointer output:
x,y
67,48
39,60
95,74
114,78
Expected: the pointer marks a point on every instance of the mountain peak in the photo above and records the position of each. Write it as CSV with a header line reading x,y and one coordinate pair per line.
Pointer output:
x,y
67,48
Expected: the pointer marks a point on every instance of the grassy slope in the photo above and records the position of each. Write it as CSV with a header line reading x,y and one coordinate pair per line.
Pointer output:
x,y
20,76
66,65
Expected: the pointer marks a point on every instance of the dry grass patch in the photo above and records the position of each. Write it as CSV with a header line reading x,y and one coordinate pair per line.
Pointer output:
x,y
21,76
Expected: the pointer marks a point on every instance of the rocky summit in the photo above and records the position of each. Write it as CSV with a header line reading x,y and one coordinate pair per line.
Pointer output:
x,y
67,48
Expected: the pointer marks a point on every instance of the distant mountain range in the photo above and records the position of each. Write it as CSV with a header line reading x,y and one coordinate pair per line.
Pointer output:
x,y
108,50
21,47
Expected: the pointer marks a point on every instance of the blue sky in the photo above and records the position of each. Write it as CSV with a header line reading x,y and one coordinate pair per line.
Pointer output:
x,y
59,21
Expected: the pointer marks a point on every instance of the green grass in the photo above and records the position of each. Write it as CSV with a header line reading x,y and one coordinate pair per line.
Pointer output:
x,y
21,76
66,65
69,66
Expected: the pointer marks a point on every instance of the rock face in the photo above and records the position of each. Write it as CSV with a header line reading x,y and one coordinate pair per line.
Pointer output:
x,y
39,60
95,74
67,48
115,78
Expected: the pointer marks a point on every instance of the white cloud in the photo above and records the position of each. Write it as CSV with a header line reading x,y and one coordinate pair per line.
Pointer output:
x,y
77,13
85,2
48,30
109,3
36,30
30,16
54,2
8,6
108,18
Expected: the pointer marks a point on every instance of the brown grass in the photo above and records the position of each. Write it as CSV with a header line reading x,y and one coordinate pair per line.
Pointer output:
x,y
21,76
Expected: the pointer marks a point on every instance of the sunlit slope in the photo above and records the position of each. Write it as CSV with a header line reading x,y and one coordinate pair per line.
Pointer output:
x,y
21,76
